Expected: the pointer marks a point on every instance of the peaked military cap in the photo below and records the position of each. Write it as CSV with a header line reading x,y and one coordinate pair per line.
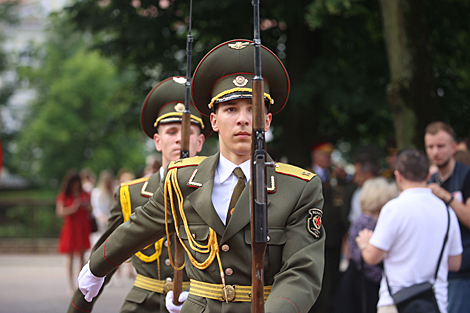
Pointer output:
x,y
165,104
227,72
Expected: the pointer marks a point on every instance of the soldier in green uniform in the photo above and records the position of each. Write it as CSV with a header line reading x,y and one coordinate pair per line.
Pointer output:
x,y
197,203
161,120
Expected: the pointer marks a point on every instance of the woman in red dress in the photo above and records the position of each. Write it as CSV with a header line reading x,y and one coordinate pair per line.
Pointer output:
x,y
73,205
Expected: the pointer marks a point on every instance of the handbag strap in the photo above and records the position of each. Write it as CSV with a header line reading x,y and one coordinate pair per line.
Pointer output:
x,y
445,241
440,255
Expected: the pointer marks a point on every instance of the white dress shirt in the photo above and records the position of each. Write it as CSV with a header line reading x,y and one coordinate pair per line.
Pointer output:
x,y
224,183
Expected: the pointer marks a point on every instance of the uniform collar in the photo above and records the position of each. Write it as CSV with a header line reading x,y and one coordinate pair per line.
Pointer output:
x,y
225,169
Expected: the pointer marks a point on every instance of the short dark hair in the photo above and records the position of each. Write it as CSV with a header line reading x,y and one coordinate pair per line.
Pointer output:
x,y
434,127
466,141
413,165
368,163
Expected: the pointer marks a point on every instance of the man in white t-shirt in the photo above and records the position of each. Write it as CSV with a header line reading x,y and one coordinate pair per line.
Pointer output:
x,y
409,235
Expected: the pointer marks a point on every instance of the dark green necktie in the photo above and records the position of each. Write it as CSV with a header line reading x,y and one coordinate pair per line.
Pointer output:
x,y
236,192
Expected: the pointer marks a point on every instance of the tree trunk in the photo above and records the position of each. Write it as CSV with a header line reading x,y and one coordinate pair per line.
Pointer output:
x,y
411,91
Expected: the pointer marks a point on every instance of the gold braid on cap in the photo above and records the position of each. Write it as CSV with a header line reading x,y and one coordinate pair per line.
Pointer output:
x,y
226,92
171,190
174,114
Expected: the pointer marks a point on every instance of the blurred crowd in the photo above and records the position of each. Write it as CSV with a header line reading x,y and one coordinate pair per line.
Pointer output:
x,y
353,202
84,202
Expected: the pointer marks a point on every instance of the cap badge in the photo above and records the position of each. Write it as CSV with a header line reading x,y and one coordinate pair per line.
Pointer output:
x,y
238,45
240,81
179,80
179,107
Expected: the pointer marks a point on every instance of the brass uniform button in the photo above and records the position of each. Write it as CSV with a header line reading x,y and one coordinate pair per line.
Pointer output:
x,y
167,262
225,247
194,236
228,271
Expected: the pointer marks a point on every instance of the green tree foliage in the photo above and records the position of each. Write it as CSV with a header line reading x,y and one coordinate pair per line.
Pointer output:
x,y
338,72
8,17
437,80
334,51
80,116
449,42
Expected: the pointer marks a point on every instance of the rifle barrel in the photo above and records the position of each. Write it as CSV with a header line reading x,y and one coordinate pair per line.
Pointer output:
x,y
184,153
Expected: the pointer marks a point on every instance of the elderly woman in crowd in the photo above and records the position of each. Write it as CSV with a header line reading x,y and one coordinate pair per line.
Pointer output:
x,y
359,286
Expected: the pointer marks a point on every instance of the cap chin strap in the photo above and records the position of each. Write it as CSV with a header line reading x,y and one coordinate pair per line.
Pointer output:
x,y
178,114
226,92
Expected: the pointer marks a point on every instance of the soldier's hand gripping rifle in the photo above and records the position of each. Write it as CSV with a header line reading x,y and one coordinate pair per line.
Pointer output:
x,y
184,153
258,195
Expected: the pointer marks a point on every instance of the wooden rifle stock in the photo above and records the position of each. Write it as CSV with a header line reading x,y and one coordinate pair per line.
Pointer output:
x,y
258,194
258,202
184,153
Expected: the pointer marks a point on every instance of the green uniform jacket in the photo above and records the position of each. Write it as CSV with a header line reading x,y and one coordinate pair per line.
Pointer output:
x,y
294,257
138,300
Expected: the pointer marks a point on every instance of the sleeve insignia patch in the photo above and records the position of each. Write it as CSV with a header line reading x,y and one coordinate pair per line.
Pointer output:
x,y
314,222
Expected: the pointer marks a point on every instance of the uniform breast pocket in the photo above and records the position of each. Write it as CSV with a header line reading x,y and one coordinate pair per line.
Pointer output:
x,y
199,246
275,244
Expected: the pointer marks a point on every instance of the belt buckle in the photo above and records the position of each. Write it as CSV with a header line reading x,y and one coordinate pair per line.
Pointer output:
x,y
167,286
230,293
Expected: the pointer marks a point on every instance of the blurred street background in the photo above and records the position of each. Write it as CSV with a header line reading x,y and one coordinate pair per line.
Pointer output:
x,y
36,283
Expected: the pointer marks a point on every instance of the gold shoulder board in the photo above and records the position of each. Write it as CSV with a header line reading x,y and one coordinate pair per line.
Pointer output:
x,y
295,171
186,162
135,181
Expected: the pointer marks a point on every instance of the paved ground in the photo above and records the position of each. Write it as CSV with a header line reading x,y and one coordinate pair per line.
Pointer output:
x,y
37,283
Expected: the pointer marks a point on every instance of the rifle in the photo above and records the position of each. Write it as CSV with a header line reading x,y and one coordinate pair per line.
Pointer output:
x,y
184,153
258,194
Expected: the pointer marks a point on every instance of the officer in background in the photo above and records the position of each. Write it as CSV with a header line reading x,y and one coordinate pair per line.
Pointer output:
x,y
161,120
213,223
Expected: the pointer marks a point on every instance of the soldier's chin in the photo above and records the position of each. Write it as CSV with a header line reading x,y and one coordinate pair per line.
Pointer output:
x,y
243,147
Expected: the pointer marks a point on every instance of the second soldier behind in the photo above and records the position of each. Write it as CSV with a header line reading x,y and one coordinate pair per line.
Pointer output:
x,y
161,120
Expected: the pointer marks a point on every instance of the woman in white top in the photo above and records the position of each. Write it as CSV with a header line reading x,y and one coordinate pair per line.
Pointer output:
x,y
102,200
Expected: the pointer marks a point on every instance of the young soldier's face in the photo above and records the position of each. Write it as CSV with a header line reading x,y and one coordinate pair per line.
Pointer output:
x,y
168,141
233,123
440,148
